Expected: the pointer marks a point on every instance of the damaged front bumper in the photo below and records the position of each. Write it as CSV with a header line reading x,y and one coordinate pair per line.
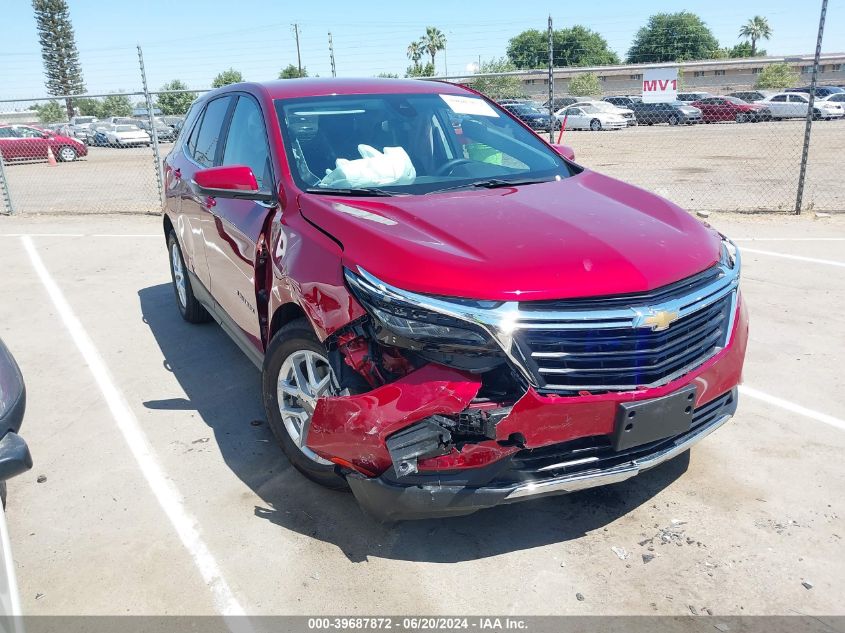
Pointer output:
x,y
391,498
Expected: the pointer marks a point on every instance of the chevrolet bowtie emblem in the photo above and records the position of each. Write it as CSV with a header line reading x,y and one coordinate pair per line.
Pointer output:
x,y
657,321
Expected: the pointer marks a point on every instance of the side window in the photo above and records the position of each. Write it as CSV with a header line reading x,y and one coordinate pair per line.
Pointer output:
x,y
246,143
6,132
779,98
209,131
797,99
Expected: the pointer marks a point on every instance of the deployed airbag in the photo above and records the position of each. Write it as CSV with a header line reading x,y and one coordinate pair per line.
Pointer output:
x,y
373,169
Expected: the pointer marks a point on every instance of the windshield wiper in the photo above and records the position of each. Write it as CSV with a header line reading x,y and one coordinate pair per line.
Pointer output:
x,y
494,183
359,191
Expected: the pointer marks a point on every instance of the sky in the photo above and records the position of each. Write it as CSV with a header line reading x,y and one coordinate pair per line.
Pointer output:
x,y
193,40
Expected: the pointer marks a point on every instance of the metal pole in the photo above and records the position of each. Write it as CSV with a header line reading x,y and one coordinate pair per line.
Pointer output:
x,y
808,126
551,84
331,54
298,57
153,133
5,191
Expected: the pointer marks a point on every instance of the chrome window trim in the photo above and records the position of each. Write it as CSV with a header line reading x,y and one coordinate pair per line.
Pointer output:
x,y
503,322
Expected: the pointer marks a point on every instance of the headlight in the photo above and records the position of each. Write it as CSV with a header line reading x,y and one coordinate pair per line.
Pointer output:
x,y
412,321
730,254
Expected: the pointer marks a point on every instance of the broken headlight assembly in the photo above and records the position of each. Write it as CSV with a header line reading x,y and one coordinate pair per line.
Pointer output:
x,y
729,256
407,322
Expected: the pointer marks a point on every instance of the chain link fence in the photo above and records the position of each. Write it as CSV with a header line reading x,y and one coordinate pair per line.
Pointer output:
x,y
710,152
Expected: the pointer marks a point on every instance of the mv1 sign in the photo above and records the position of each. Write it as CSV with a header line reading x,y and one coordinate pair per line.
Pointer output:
x,y
660,85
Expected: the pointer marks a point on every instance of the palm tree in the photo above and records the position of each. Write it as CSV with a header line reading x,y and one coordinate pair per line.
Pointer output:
x,y
757,28
433,41
415,52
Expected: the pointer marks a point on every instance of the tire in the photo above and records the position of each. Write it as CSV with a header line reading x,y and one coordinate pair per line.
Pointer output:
x,y
740,118
673,120
3,493
292,345
595,125
817,115
67,154
190,309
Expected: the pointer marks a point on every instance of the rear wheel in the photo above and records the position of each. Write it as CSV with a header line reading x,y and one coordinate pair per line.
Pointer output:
x,y
190,309
595,125
816,114
67,154
296,373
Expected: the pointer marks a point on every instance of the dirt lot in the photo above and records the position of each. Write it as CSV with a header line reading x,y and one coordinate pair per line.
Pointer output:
x,y
716,167
735,527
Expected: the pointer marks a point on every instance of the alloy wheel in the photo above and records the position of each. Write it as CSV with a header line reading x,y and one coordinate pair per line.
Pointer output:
x,y
67,154
179,275
304,377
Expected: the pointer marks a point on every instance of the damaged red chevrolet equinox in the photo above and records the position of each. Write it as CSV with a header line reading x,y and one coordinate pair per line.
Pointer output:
x,y
448,312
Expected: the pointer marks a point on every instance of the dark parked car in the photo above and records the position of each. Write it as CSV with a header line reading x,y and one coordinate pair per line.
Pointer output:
x,y
14,460
532,116
163,131
447,311
672,113
821,91
716,109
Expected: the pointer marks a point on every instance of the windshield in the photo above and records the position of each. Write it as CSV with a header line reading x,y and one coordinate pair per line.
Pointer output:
x,y
126,128
521,108
409,144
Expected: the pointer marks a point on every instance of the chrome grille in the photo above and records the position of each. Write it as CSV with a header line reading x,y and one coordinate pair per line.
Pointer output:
x,y
603,349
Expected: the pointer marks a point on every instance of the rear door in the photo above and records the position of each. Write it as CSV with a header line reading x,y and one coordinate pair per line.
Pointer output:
x,y
31,142
201,150
779,106
798,105
233,234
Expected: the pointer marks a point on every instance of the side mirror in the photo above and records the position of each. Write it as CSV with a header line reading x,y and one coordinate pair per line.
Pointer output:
x,y
564,150
230,181
14,456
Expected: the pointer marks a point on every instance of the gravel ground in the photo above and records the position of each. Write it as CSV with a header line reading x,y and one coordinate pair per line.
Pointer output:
x,y
723,167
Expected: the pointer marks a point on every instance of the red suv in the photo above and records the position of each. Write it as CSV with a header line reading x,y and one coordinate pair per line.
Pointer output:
x,y
715,109
448,313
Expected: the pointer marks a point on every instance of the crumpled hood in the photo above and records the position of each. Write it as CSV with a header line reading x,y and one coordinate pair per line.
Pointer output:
x,y
588,235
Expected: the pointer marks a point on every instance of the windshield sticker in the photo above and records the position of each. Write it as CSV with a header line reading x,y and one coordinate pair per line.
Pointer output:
x,y
469,105
364,215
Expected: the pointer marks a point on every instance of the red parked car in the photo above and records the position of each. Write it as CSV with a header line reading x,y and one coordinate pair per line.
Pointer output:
x,y
715,109
448,313
26,142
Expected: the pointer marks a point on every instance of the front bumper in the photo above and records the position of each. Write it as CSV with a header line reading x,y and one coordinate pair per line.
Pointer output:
x,y
386,499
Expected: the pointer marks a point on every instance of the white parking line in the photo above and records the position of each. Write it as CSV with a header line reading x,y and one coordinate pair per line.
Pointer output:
x,y
791,406
812,260
163,489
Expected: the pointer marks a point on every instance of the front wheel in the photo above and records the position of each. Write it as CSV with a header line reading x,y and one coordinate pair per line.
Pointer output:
x,y
595,125
673,120
740,118
190,309
296,373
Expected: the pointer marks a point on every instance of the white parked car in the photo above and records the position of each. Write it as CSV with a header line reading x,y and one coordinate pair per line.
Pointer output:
x,y
125,135
837,98
625,113
794,105
589,117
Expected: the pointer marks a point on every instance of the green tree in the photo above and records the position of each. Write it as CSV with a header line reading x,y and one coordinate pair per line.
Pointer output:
x,y
507,87
757,28
585,85
174,102
388,76
415,51
672,37
776,77
743,49
433,41
420,70
58,50
117,105
90,107
227,77
576,46
50,112
292,72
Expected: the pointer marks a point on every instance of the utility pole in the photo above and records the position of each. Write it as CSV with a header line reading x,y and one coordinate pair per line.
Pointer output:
x,y
808,126
552,84
298,57
331,54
